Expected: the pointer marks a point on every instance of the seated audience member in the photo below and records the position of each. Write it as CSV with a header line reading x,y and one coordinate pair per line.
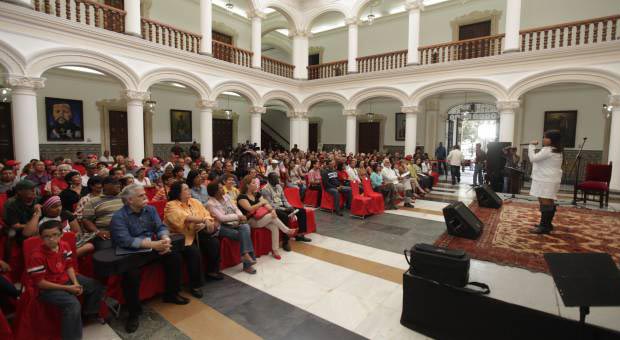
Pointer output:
x,y
52,210
52,269
126,180
98,212
58,183
138,226
7,288
261,169
178,173
95,187
260,214
39,176
414,180
229,188
141,178
156,171
274,194
74,192
7,180
332,185
343,176
106,158
187,216
233,224
21,213
217,170
273,167
314,178
424,177
117,172
91,171
162,193
389,176
197,189
297,178
351,170
386,189
228,172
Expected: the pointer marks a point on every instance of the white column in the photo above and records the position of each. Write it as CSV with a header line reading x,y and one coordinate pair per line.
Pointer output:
x,y
414,7
614,142
24,112
304,126
352,65
411,128
257,19
506,111
300,55
206,128
351,116
255,124
132,18
135,123
294,131
513,25
206,15
25,3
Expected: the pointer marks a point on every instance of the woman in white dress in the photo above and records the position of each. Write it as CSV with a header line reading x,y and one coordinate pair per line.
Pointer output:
x,y
546,177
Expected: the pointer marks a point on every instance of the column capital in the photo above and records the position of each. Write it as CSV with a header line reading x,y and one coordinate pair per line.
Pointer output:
x,y
351,21
410,109
508,105
206,104
304,33
256,14
614,100
298,115
22,82
258,110
135,95
414,4
350,112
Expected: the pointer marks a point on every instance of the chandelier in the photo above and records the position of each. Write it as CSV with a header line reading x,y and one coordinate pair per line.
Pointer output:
x,y
370,115
229,5
150,104
5,94
371,17
228,111
607,109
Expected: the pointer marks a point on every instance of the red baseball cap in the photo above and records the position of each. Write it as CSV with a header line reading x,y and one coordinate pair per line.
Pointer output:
x,y
408,157
48,162
12,163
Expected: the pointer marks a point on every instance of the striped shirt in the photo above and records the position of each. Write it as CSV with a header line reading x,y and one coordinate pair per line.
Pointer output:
x,y
99,210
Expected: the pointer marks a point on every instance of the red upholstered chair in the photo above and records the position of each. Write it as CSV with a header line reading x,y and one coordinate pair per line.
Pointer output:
x,y
33,317
229,253
5,328
160,206
378,205
292,194
359,204
150,192
596,182
311,197
261,239
327,201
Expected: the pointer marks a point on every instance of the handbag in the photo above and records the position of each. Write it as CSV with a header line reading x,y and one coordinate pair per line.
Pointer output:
x,y
260,213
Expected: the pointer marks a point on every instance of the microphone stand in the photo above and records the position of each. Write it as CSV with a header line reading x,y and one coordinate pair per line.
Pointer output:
x,y
577,163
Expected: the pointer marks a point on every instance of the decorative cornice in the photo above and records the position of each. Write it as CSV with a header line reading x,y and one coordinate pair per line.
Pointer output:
x,y
614,100
206,104
352,21
414,4
22,82
297,115
300,33
410,109
507,106
349,112
135,95
258,109
253,13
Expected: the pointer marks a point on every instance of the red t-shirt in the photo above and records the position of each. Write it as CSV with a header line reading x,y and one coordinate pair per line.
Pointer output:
x,y
50,265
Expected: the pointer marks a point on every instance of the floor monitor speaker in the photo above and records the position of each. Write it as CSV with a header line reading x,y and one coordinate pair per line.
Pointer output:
x,y
487,198
461,222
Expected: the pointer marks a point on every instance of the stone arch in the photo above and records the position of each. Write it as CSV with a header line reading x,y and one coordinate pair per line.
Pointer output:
x,y
377,92
471,85
607,80
12,60
235,86
48,59
358,6
283,96
290,14
314,14
322,97
180,76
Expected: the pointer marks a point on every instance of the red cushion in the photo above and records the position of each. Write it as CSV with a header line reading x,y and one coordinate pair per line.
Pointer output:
x,y
593,186
598,172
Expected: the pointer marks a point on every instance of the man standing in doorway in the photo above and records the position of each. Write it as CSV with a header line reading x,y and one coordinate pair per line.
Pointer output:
x,y
481,159
455,158
440,155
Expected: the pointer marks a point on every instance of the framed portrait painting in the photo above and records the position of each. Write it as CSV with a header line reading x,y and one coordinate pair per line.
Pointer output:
x,y
181,125
64,119
564,121
400,127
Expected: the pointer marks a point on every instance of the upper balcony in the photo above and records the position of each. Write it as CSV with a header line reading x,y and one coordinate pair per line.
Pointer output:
x,y
583,32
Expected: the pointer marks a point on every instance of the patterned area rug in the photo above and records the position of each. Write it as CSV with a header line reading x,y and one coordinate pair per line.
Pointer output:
x,y
506,240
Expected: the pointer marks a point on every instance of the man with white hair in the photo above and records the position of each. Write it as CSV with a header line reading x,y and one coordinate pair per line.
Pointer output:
x,y
138,226
389,176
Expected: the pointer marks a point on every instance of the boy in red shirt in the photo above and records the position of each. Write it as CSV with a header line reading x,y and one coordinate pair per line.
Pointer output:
x,y
51,268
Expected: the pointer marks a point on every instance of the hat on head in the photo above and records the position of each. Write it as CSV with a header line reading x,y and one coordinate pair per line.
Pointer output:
x,y
24,184
50,202
154,161
12,162
408,157
273,161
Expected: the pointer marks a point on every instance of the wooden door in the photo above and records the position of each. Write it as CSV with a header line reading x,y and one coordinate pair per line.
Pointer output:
x,y
6,137
313,137
112,21
118,133
222,134
473,31
222,52
368,137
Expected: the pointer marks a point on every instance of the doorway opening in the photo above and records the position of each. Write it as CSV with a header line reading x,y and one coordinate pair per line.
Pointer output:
x,y
472,123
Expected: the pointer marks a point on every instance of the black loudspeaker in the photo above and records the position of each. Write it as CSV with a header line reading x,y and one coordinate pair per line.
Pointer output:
x,y
495,164
487,198
461,222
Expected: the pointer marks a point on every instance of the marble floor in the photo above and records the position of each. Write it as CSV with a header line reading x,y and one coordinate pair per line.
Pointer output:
x,y
345,284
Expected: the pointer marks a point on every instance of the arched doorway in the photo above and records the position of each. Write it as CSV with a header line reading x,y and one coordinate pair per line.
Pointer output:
x,y
471,123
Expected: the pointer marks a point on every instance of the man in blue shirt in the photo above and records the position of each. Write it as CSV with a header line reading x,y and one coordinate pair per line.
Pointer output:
x,y
440,154
332,185
138,226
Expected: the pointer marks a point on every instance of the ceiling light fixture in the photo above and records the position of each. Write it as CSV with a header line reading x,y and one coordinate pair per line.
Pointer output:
x,y
370,114
371,17
607,109
465,111
150,104
228,111
5,94
229,5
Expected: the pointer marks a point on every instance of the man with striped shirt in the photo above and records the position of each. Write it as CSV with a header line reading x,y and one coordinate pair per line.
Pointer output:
x,y
97,213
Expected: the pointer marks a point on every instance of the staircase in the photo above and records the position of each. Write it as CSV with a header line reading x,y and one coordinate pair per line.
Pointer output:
x,y
271,139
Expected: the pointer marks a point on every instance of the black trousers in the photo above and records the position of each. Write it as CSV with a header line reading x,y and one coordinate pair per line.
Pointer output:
x,y
193,261
301,220
318,188
131,281
210,249
456,173
7,290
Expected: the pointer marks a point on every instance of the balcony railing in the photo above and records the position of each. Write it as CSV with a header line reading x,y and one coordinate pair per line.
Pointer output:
x,y
232,54
461,50
277,67
167,35
328,70
84,11
381,62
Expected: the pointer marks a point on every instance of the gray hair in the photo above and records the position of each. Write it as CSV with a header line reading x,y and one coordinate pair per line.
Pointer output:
x,y
129,191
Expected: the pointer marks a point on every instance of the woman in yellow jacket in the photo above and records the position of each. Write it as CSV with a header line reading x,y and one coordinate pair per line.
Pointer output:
x,y
186,215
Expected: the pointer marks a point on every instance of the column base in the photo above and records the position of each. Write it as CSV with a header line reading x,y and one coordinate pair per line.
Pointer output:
x,y
413,64
133,34
209,54
301,78
352,72
29,5
512,50
257,67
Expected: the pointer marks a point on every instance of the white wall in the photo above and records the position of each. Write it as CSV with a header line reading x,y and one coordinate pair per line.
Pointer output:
x,y
537,13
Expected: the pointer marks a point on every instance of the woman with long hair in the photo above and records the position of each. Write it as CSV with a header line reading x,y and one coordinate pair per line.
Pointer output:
x,y
546,177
